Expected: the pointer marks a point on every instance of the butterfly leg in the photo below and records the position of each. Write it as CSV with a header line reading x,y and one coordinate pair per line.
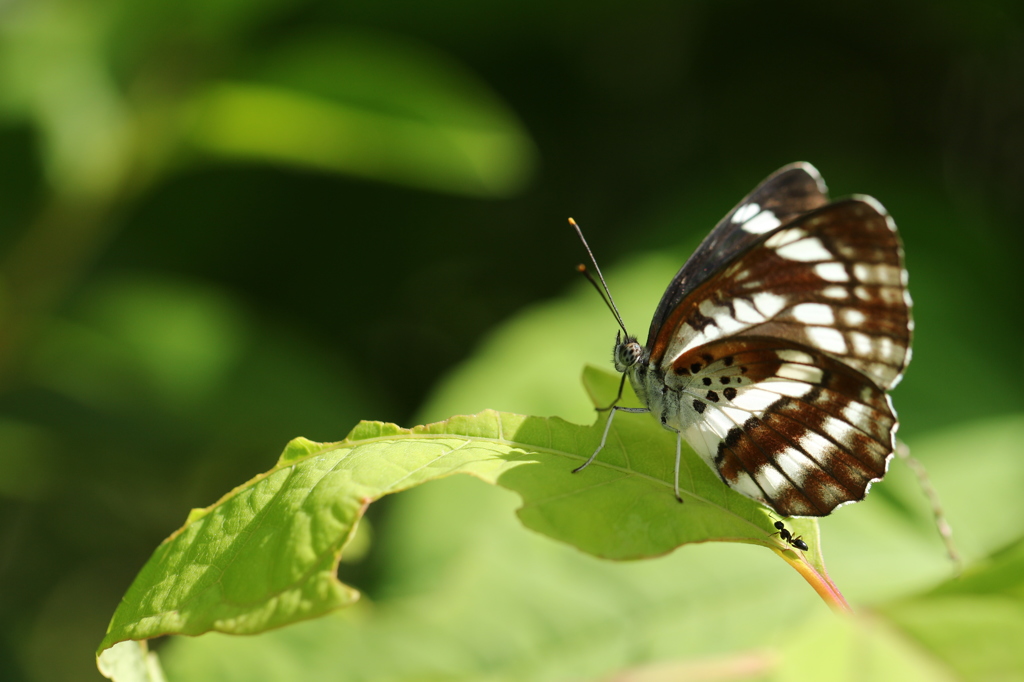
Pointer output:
x,y
679,452
604,436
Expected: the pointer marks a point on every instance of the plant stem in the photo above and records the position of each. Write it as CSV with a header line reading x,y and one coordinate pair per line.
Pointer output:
x,y
821,583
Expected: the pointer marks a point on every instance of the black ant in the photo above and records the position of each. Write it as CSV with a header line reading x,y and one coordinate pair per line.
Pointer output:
x,y
787,537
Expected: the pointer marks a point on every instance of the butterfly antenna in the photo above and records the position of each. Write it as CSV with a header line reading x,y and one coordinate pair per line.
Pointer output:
x,y
602,289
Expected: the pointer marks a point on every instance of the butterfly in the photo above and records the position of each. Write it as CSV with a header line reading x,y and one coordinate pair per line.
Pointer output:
x,y
773,348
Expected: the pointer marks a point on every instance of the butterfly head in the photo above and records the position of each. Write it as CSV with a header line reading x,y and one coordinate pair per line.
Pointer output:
x,y
628,352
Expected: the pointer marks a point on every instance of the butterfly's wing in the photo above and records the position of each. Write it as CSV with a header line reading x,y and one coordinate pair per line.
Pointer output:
x,y
832,280
828,289
787,425
785,194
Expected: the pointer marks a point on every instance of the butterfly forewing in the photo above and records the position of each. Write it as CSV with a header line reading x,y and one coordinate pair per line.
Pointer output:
x,y
832,280
785,194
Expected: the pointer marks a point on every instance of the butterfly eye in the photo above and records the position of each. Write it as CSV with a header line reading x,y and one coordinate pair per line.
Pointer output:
x,y
627,353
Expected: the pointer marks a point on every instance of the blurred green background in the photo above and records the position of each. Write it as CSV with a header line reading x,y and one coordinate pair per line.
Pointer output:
x,y
224,224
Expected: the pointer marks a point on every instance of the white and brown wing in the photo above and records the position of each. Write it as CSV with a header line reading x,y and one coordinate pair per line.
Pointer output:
x,y
782,196
786,424
832,280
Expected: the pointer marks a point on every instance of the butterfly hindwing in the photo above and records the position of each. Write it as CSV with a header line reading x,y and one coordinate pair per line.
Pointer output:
x,y
783,423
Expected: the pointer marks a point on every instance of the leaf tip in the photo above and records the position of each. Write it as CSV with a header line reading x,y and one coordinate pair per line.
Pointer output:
x,y
196,513
296,449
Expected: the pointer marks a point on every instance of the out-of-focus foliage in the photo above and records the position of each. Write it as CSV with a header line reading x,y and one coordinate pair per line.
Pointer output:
x,y
370,107
187,280
355,102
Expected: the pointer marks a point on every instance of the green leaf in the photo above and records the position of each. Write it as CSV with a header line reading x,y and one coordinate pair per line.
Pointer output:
x,y
133,336
973,623
53,71
266,554
370,106
978,636
452,602
856,648
472,595
1001,573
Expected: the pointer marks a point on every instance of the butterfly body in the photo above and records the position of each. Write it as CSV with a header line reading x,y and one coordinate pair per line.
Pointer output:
x,y
772,349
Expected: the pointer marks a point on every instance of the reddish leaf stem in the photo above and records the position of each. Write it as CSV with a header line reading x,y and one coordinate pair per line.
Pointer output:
x,y
821,583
